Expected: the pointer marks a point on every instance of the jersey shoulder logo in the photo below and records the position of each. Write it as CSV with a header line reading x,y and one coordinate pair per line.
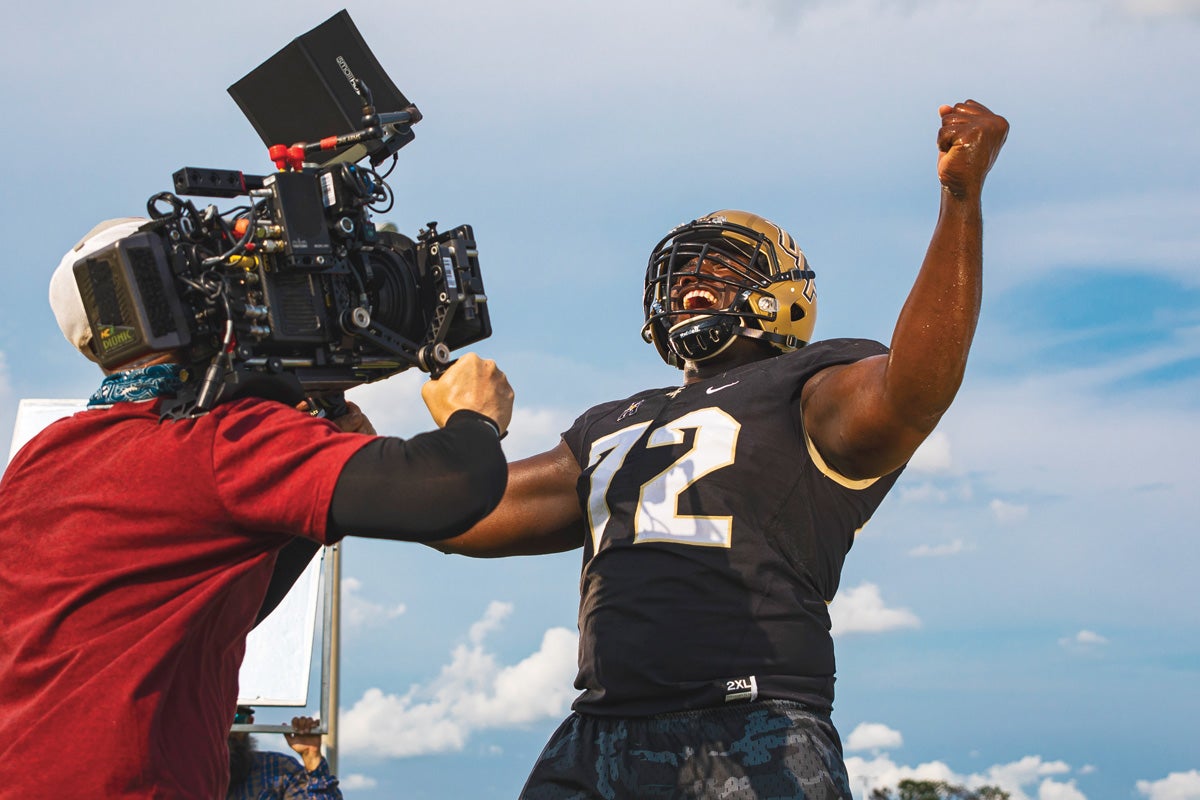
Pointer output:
x,y
715,389
633,407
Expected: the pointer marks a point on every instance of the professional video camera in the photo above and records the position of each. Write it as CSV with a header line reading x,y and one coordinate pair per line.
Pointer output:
x,y
296,293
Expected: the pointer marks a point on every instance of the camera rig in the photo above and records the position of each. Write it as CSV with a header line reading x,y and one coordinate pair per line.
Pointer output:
x,y
294,294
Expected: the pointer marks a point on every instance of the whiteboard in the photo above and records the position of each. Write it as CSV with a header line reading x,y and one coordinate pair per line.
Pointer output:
x,y
278,662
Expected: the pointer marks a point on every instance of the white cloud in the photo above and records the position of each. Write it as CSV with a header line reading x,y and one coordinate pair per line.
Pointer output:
x,y
1084,638
926,492
949,549
536,688
1008,512
473,692
1161,8
492,621
1063,415
535,430
394,405
1147,230
1018,774
861,610
358,612
1176,786
937,490
789,11
873,736
1015,777
1084,643
1053,790
1049,437
356,781
881,772
933,455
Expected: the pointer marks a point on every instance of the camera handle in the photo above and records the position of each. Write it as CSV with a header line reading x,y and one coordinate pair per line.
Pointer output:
x,y
329,406
375,126
433,358
293,158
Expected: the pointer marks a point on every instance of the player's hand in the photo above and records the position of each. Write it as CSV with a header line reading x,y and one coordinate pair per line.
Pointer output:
x,y
969,141
470,383
308,745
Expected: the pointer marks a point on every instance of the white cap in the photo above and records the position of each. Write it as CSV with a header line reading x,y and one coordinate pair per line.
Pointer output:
x,y
65,300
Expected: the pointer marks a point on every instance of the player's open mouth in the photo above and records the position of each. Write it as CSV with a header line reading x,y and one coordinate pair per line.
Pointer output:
x,y
699,299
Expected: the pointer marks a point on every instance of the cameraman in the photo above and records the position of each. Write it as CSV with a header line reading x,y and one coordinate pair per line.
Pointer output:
x,y
137,554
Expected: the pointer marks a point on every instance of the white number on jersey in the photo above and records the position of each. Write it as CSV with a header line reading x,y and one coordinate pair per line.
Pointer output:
x,y
657,518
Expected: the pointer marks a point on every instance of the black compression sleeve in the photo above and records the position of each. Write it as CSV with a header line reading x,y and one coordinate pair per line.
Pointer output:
x,y
432,486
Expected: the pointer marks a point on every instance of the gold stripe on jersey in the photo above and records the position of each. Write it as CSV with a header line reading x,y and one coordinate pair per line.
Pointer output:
x,y
831,473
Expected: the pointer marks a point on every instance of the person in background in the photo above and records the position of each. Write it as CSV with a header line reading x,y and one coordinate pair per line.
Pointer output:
x,y
258,775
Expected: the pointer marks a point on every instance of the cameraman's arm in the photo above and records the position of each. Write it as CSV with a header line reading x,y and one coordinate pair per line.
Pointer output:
x,y
296,554
429,487
438,484
423,489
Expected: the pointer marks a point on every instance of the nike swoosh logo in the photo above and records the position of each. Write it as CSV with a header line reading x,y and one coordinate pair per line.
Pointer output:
x,y
715,389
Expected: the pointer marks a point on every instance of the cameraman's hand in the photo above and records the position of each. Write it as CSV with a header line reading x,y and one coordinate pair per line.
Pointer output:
x,y
472,383
354,420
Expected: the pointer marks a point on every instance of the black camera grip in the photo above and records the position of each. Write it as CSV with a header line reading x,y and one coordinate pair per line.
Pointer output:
x,y
330,406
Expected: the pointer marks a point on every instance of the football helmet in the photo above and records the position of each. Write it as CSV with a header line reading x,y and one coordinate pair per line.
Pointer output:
x,y
727,254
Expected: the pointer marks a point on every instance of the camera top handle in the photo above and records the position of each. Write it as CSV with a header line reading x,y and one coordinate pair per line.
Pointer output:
x,y
375,126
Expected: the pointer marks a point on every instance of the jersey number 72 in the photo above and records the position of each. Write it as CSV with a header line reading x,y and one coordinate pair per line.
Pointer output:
x,y
657,518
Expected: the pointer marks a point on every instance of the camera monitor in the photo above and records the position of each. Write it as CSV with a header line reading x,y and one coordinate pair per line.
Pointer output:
x,y
305,93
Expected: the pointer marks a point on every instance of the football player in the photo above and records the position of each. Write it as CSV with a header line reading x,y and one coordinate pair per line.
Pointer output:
x,y
715,516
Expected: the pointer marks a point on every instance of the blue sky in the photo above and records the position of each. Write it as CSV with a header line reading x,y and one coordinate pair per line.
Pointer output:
x,y
1022,609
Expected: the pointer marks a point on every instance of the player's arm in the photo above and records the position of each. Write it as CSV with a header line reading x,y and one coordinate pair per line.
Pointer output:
x,y
868,418
539,512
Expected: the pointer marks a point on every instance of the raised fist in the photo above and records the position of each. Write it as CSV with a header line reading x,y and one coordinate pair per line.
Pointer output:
x,y
969,141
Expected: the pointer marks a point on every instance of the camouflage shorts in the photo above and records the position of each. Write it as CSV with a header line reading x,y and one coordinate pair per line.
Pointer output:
x,y
768,750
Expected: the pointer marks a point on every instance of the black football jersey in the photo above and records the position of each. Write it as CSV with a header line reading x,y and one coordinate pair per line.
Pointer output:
x,y
717,537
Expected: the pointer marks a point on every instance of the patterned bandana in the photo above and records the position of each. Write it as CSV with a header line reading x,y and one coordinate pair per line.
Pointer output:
x,y
132,385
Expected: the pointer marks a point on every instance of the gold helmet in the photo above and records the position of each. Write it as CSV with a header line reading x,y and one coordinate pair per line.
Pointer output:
x,y
776,298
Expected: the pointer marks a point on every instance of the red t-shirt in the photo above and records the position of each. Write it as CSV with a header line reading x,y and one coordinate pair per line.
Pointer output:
x,y
135,554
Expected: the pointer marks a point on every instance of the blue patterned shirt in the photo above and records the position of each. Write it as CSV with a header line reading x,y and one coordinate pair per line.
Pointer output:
x,y
276,776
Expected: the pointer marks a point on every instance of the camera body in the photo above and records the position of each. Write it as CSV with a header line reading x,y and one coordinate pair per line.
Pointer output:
x,y
297,293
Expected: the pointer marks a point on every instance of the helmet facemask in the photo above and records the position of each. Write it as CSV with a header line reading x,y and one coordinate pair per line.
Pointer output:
x,y
758,271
